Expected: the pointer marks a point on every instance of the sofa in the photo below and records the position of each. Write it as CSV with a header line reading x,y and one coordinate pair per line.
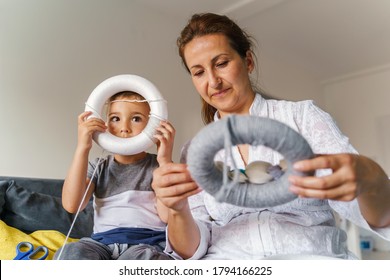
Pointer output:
x,y
31,210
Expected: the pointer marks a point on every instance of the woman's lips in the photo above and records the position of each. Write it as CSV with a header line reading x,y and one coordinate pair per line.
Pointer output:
x,y
219,93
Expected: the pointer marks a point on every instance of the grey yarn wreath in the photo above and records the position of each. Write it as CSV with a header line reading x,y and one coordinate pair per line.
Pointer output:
x,y
234,130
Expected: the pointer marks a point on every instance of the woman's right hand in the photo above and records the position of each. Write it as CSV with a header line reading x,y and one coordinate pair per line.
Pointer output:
x,y
86,128
172,184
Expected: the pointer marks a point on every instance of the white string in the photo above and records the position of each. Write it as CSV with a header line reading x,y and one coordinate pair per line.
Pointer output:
x,y
130,101
94,110
136,100
81,203
227,184
157,117
229,155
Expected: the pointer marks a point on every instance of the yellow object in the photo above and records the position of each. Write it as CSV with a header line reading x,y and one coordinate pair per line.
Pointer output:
x,y
10,238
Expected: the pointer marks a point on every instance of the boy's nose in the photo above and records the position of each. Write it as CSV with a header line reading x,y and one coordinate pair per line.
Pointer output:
x,y
125,128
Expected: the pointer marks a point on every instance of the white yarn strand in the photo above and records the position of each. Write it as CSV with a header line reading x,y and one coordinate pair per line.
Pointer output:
x,y
94,110
138,101
79,208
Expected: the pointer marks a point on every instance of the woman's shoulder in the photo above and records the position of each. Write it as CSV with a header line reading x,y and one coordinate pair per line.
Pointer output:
x,y
290,103
277,105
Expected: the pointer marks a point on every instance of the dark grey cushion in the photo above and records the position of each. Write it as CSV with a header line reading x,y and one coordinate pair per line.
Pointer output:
x,y
41,185
35,204
3,189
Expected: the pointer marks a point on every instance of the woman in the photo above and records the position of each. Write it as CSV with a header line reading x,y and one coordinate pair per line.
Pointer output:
x,y
219,57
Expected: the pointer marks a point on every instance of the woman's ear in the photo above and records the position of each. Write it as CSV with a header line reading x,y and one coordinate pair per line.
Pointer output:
x,y
250,63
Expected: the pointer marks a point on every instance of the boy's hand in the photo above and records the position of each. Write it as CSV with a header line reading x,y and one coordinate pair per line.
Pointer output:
x,y
165,137
86,128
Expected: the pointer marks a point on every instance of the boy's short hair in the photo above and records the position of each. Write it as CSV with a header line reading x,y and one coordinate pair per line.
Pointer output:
x,y
126,94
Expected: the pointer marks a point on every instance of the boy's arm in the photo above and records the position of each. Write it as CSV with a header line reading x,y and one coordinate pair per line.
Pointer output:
x,y
76,180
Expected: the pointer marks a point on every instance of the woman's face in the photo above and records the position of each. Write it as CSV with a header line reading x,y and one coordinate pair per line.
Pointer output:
x,y
220,74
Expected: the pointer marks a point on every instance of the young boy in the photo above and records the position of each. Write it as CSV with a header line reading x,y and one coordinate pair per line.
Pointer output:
x,y
128,221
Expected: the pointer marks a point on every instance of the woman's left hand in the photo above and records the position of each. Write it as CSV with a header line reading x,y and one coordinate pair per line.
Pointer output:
x,y
354,176
343,184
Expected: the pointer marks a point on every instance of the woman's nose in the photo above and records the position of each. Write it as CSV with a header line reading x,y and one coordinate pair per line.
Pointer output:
x,y
214,80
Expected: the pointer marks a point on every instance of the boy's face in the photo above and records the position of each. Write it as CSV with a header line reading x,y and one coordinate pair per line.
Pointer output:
x,y
127,119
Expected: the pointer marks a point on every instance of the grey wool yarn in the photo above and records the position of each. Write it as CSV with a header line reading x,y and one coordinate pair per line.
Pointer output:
x,y
234,130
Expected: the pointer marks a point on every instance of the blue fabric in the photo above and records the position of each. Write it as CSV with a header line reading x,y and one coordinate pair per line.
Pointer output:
x,y
131,236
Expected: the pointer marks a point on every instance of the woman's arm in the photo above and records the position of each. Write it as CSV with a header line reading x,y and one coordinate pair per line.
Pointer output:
x,y
173,185
165,139
183,233
374,197
353,176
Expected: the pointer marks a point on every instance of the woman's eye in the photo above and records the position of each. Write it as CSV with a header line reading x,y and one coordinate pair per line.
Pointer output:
x,y
198,73
222,64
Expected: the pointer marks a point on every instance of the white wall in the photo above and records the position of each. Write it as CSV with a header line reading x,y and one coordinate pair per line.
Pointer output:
x,y
360,104
281,72
286,80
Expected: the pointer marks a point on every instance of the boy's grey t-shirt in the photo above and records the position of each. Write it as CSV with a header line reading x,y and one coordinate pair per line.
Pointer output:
x,y
123,195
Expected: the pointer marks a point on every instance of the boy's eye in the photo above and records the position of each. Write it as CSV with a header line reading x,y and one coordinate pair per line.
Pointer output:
x,y
114,119
136,119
